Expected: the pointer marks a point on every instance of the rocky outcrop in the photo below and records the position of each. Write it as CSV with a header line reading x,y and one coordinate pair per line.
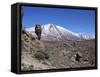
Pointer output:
x,y
32,56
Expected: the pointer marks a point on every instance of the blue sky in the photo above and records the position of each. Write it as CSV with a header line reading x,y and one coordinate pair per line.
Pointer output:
x,y
76,20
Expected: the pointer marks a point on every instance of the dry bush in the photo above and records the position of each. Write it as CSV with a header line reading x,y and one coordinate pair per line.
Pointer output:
x,y
41,55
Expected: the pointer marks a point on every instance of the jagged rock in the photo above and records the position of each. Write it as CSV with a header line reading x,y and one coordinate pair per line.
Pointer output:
x,y
78,57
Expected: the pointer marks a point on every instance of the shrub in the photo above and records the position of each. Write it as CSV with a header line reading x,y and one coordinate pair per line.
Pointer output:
x,y
41,55
30,67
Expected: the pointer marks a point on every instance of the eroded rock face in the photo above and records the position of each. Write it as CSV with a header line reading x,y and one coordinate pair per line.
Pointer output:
x,y
38,31
32,53
78,56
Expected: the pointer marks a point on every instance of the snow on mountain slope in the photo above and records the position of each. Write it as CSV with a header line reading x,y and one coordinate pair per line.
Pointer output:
x,y
87,37
55,32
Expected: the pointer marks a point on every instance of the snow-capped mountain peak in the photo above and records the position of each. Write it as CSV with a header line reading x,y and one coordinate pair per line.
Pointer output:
x,y
56,32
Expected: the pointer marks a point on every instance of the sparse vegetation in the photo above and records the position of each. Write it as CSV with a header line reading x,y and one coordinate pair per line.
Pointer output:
x,y
27,67
41,55
50,55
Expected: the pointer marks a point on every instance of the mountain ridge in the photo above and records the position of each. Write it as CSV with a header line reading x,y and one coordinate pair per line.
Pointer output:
x,y
56,32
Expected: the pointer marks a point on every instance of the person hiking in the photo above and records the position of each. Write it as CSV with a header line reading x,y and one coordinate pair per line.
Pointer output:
x,y
38,31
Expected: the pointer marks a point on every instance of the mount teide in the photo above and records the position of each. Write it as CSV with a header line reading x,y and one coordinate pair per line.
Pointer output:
x,y
53,32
